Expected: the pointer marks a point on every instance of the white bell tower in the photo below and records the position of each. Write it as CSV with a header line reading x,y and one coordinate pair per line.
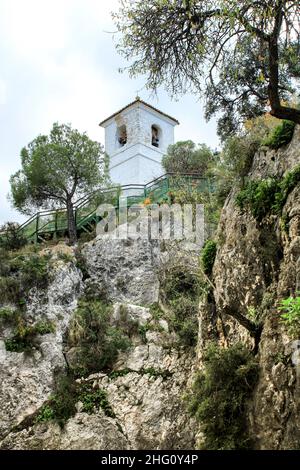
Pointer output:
x,y
136,138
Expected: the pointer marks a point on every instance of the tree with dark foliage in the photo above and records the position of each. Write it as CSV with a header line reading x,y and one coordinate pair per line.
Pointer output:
x,y
56,171
241,56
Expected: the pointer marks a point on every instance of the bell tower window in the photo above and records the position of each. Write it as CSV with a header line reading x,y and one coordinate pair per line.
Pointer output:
x,y
122,136
155,136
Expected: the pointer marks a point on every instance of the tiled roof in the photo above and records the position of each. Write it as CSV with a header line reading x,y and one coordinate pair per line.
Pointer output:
x,y
138,100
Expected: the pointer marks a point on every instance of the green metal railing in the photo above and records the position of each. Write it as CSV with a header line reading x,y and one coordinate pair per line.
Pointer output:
x,y
54,223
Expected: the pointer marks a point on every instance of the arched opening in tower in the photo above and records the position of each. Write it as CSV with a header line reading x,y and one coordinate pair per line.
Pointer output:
x,y
122,135
155,133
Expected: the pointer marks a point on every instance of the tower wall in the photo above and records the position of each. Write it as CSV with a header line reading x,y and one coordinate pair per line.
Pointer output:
x,y
136,164
137,161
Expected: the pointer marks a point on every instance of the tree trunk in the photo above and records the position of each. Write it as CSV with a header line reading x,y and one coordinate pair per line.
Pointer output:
x,y
244,321
71,223
277,109
283,112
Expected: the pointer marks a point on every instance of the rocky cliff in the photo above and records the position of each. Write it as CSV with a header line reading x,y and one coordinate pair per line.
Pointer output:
x,y
145,384
143,388
258,264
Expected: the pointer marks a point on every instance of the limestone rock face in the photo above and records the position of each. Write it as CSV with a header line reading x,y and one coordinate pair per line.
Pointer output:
x,y
145,389
275,412
82,432
149,409
147,393
134,313
26,380
124,269
257,265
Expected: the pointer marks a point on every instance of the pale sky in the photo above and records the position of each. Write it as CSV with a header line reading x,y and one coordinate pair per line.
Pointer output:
x,y
58,63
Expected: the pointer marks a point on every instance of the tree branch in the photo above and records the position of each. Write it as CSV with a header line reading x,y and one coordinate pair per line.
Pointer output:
x,y
277,110
242,320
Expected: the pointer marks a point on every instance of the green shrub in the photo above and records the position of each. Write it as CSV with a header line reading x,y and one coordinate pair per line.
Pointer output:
x,y
291,180
44,327
16,344
97,341
12,238
281,135
259,196
237,156
287,184
180,281
120,373
208,255
142,330
24,338
185,319
20,274
92,399
204,194
8,315
62,404
180,289
126,324
219,396
65,257
33,269
81,264
156,312
267,195
11,290
254,315
45,414
291,316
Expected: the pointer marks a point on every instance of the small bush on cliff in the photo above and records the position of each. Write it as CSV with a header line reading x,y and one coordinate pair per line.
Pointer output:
x,y
267,195
180,281
21,273
288,183
12,238
236,157
291,315
62,404
8,315
81,264
33,269
281,135
24,337
180,290
208,255
185,321
92,399
259,196
96,341
219,397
